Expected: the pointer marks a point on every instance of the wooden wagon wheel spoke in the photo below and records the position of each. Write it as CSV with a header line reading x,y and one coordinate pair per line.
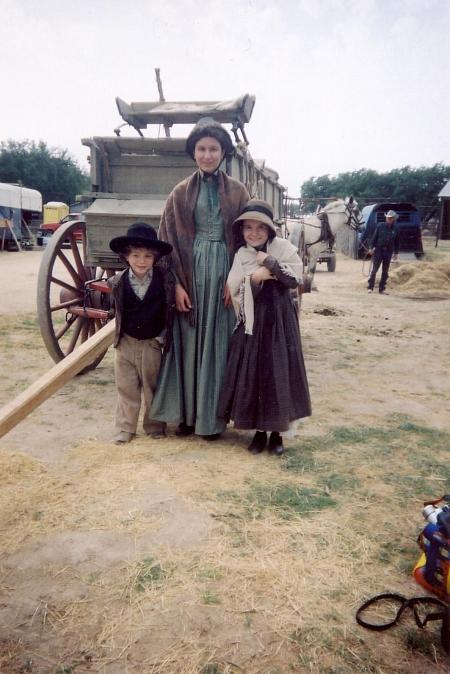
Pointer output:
x,y
76,256
65,285
92,327
77,278
61,285
84,245
76,333
85,330
64,305
68,324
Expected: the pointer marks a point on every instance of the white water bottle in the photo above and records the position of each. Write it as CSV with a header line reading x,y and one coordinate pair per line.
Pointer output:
x,y
431,513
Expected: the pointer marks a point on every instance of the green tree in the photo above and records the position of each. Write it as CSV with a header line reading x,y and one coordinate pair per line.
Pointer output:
x,y
419,186
52,171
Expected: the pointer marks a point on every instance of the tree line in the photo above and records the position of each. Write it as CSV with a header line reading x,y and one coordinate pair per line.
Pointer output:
x,y
419,186
51,171
55,174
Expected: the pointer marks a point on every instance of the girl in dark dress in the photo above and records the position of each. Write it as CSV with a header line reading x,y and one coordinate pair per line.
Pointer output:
x,y
265,384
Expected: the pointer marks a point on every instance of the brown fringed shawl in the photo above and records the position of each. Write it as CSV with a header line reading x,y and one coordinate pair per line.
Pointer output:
x,y
177,225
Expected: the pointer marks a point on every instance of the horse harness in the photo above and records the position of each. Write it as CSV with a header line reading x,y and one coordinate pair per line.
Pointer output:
x,y
326,233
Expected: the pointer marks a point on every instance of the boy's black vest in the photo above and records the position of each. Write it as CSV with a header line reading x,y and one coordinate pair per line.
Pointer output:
x,y
144,319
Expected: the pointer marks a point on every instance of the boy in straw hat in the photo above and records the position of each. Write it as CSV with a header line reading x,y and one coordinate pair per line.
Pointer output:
x,y
143,298
265,384
383,247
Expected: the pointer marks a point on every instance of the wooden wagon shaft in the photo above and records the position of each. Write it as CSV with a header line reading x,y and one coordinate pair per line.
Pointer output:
x,y
12,413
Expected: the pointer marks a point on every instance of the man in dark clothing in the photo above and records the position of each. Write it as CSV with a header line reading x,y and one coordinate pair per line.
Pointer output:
x,y
383,248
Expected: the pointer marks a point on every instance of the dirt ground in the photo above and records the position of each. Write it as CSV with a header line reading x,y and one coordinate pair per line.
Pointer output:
x,y
180,556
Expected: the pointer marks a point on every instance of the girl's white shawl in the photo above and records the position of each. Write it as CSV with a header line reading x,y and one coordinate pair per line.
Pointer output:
x,y
245,264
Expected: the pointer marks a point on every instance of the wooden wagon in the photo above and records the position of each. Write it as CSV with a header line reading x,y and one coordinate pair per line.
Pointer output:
x,y
131,178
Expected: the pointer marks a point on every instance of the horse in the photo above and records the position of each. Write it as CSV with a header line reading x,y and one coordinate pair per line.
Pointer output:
x,y
314,235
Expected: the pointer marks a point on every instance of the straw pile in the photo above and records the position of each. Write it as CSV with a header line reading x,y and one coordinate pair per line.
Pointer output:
x,y
427,280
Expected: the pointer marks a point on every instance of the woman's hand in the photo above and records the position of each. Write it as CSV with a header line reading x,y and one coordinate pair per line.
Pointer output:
x,y
182,299
226,296
261,256
261,274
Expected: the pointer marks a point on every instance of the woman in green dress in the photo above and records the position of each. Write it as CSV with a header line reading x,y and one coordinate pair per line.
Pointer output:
x,y
197,222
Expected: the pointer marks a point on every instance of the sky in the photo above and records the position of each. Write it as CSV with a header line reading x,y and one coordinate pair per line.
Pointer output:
x,y
340,85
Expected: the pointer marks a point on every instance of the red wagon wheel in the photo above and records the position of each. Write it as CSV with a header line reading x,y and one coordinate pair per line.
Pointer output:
x,y
63,302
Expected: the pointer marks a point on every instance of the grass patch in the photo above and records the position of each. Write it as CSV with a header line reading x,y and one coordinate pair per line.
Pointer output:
x,y
27,325
343,435
15,330
211,668
421,641
398,555
383,441
285,500
428,437
298,460
149,575
209,573
411,473
209,597
101,382
341,482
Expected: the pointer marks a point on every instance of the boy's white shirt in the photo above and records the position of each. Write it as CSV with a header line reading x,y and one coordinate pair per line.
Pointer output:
x,y
245,264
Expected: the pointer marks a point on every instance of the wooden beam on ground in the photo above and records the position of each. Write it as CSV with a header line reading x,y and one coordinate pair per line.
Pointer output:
x,y
50,382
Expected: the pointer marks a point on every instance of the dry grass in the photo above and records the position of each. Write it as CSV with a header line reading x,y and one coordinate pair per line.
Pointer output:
x,y
422,279
272,588
188,557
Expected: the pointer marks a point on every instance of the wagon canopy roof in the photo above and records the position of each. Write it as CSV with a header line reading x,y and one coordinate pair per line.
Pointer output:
x,y
16,196
386,206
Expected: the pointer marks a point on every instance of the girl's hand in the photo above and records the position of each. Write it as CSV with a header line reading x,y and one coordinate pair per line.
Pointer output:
x,y
261,274
182,299
226,296
261,256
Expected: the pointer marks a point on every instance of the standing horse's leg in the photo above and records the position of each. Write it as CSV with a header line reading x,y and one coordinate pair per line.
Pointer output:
x,y
312,263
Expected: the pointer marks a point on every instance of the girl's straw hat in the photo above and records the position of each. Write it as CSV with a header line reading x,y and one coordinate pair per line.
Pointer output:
x,y
257,209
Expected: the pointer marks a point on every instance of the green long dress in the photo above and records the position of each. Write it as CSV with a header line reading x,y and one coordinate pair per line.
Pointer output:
x,y
192,374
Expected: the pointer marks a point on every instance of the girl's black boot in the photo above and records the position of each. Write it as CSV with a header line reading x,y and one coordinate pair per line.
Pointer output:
x,y
258,443
276,444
